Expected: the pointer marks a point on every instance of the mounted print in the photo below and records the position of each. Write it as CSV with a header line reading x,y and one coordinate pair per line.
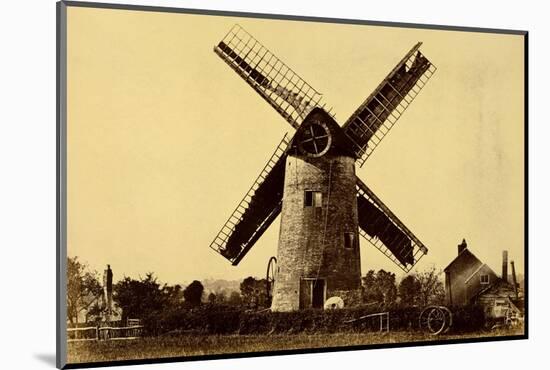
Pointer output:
x,y
236,184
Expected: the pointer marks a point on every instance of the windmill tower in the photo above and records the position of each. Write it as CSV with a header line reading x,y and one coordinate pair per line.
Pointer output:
x,y
310,180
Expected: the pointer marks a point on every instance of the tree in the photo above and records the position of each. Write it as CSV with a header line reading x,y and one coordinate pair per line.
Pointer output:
x,y
409,290
212,298
422,288
141,298
253,292
221,296
193,293
370,290
235,299
432,290
379,287
386,284
83,288
173,294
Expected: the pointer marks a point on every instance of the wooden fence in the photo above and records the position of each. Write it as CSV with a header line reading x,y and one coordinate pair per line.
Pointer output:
x,y
382,318
104,333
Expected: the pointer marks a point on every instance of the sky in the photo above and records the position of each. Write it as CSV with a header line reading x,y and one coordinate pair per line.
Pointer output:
x,y
164,139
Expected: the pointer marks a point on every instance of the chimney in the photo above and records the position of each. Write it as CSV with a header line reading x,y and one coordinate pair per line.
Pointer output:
x,y
514,281
505,266
462,246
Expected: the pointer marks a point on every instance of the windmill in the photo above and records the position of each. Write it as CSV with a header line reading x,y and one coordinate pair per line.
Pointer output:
x,y
310,180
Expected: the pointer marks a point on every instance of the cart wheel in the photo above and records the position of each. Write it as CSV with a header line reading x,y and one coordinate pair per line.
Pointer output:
x,y
270,277
436,319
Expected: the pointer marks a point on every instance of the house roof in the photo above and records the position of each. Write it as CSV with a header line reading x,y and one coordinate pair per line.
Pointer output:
x,y
475,272
461,255
495,285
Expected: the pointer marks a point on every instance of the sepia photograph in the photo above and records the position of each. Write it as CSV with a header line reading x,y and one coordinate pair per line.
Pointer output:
x,y
235,185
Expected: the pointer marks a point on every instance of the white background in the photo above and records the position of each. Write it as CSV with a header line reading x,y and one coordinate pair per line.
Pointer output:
x,y
27,188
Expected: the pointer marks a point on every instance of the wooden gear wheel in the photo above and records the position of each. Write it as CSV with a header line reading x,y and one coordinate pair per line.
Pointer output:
x,y
436,319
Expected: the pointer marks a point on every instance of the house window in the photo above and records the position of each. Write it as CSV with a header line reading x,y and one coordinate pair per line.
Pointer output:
x,y
484,279
349,240
313,198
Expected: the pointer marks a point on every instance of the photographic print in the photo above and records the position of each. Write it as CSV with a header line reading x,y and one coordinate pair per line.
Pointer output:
x,y
240,185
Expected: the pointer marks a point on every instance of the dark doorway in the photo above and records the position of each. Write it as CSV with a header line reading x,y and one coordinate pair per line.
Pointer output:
x,y
318,293
312,293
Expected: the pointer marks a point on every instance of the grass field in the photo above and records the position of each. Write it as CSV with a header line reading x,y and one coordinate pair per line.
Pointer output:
x,y
194,345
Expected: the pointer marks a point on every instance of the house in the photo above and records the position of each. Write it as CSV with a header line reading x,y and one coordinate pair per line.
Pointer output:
x,y
469,280
466,276
499,301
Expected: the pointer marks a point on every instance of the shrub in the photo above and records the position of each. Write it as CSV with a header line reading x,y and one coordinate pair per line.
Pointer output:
x,y
216,318
468,318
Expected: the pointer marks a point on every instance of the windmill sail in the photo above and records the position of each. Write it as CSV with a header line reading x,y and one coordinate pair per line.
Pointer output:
x,y
276,83
381,228
368,125
256,211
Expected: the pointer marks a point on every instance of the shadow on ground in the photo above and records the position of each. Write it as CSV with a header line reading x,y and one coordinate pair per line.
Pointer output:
x,y
47,358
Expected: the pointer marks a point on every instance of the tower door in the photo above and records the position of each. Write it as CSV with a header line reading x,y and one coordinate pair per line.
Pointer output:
x,y
318,293
312,293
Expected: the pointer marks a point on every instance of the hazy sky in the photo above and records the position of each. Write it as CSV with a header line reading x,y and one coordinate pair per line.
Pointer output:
x,y
164,138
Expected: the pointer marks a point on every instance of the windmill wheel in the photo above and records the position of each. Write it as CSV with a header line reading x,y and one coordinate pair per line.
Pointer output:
x,y
270,276
315,139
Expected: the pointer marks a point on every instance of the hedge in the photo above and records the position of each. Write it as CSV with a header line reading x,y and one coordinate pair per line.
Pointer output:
x,y
221,319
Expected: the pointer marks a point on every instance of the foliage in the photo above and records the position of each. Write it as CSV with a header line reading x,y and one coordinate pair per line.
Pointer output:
x,y
212,298
193,293
83,288
221,296
468,318
409,290
379,287
253,292
432,290
422,288
235,299
225,319
145,298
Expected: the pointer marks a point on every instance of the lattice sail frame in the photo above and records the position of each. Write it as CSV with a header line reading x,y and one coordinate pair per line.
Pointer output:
x,y
220,241
401,99
418,248
290,95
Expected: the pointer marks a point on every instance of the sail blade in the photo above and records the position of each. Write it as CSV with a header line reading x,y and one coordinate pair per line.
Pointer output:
x,y
368,125
381,228
256,211
291,96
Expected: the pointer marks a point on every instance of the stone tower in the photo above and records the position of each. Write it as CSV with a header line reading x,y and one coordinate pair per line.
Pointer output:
x,y
318,252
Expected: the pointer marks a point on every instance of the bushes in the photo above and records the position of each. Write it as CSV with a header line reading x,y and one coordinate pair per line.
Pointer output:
x,y
224,319
468,318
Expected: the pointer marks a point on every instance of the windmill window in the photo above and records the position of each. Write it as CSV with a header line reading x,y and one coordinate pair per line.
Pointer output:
x,y
313,198
484,279
349,240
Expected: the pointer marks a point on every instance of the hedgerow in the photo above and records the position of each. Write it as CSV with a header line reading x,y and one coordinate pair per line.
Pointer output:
x,y
224,319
